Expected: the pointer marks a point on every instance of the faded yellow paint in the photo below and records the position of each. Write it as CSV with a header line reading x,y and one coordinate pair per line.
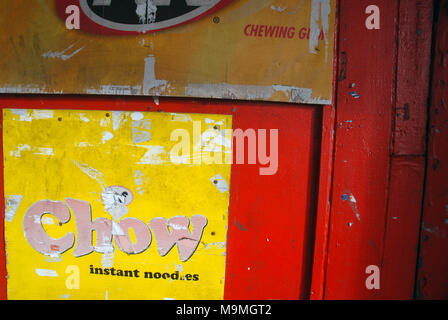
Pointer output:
x,y
201,58
41,153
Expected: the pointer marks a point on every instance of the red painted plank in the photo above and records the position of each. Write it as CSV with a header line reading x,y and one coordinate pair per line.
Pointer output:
x,y
433,261
323,208
3,273
414,60
365,101
271,218
398,267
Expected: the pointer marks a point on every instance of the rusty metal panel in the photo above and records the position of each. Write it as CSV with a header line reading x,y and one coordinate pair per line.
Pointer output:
x,y
246,49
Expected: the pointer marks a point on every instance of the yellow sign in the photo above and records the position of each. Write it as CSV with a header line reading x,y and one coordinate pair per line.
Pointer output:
x,y
113,205
242,49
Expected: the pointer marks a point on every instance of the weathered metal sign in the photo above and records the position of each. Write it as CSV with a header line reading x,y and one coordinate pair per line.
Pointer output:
x,y
243,49
103,205
139,16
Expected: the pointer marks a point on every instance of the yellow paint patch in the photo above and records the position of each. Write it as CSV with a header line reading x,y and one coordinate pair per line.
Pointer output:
x,y
63,154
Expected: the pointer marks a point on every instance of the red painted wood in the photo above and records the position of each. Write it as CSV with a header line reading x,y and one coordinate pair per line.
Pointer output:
x,y
323,209
270,233
398,263
271,218
363,145
3,273
414,60
433,261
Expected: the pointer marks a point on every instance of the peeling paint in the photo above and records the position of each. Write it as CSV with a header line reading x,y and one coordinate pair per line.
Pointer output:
x,y
118,118
12,204
219,245
44,151
53,257
220,183
181,117
252,92
320,11
46,273
92,173
23,113
115,200
155,155
278,9
141,130
115,90
141,180
42,114
106,136
152,86
20,148
62,54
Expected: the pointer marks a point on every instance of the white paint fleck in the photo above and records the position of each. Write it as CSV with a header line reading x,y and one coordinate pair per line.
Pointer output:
x,y
212,140
141,180
118,118
106,136
153,155
47,220
116,90
179,267
44,151
46,273
352,202
181,117
82,117
20,148
141,131
152,86
12,204
247,92
279,9
83,144
116,229
165,298
43,114
107,260
62,54
92,173
136,116
320,11
53,257
219,245
219,182
23,114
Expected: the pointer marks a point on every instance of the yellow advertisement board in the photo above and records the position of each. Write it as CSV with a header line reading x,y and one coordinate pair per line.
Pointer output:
x,y
112,205
273,50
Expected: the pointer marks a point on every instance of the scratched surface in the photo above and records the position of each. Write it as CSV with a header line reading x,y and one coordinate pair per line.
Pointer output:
x,y
432,282
86,155
236,53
